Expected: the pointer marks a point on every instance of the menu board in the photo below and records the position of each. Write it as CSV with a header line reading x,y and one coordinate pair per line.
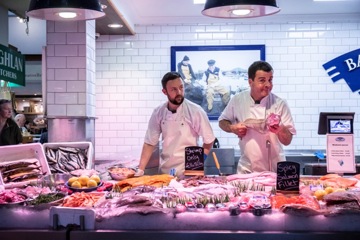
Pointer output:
x,y
194,158
288,176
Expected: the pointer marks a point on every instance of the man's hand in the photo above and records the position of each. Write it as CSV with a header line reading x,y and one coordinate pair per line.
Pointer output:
x,y
239,129
139,172
274,128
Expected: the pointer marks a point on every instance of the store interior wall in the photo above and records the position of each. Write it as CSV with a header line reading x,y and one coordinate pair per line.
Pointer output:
x,y
129,70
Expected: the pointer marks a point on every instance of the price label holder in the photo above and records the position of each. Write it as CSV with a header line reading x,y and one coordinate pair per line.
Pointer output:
x,y
82,218
288,177
340,153
194,160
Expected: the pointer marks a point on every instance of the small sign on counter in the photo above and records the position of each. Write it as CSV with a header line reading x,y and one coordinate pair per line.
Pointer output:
x,y
194,160
288,176
340,153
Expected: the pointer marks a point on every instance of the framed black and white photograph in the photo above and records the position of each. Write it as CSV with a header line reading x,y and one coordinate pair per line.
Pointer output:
x,y
213,74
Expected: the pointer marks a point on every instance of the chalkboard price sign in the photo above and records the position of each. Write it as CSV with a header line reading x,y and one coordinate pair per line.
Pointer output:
x,y
288,176
194,158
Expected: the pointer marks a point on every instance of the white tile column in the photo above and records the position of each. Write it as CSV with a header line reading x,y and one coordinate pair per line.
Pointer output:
x,y
70,80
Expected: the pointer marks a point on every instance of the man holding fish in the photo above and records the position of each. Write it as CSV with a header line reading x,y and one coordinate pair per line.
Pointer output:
x,y
261,120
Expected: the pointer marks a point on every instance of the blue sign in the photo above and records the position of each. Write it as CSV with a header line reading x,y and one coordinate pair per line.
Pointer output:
x,y
347,67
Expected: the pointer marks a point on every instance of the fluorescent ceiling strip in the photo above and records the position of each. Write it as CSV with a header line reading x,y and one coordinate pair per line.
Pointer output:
x,y
199,1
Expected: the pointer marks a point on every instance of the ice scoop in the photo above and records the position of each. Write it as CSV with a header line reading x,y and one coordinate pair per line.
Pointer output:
x,y
217,164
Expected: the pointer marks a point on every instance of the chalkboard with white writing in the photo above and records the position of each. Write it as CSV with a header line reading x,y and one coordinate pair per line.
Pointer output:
x,y
194,158
288,176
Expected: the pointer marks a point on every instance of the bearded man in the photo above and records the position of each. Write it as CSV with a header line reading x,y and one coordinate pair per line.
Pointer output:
x,y
180,124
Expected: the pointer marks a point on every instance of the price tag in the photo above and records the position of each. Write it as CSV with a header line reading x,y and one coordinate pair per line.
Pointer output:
x,y
194,160
288,176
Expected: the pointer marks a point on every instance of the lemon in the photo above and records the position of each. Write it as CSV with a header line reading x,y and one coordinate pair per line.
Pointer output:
x,y
96,178
71,180
92,183
319,194
76,184
329,190
83,180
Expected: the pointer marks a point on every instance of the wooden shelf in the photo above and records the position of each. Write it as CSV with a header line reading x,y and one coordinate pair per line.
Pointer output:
x,y
32,113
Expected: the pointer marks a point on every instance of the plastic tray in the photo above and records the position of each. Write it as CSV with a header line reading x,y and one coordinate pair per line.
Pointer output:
x,y
81,145
21,152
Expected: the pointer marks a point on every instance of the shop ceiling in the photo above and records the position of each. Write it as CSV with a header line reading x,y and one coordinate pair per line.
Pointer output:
x,y
131,12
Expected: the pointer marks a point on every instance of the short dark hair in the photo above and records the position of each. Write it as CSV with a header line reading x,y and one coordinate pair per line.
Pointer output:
x,y
3,101
168,77
258,65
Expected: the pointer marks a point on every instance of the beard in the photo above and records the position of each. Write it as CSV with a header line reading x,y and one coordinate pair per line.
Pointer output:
x,y
178,100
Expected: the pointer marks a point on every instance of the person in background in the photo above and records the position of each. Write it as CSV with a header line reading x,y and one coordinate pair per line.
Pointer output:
x,y
44,137
10,133
260,150
212,80
20,120
28,126
180,123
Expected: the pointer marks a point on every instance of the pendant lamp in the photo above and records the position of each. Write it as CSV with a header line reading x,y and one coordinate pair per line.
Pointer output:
x,y
239,8
65,10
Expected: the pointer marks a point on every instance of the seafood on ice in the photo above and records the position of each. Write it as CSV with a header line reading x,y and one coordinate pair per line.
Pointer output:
x,y
66,159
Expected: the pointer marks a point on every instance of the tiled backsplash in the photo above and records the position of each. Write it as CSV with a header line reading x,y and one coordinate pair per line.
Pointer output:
x,y
129,70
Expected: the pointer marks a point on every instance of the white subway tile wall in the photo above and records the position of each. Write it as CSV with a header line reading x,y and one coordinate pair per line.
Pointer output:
x,y
71,69
129,70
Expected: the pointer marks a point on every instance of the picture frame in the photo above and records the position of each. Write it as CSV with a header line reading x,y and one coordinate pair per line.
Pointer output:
x,y
227,75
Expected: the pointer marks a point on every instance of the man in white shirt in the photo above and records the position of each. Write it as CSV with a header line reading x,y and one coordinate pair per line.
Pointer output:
x,y
180,123
261,149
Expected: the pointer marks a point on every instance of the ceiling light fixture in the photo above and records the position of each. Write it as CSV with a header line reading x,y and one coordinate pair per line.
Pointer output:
x,y
115,25
239,8
67,14
62,10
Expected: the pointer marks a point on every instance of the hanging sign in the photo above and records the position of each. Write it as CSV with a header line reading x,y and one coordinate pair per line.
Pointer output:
x,y
288,176
12,66
194,160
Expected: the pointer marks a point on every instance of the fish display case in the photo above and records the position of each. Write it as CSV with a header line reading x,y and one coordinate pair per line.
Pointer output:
x,y
137,221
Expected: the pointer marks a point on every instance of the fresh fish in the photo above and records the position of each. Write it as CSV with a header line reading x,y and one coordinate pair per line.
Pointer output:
x,y
10,166
69,149
24,177
300,210
19,170
341,197
74,165
256,124
82,158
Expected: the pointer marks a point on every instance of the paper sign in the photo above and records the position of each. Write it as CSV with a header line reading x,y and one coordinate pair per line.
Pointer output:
x,y
340,153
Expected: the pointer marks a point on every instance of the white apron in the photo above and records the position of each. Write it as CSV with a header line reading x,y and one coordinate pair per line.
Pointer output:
x,y
177,134
262,148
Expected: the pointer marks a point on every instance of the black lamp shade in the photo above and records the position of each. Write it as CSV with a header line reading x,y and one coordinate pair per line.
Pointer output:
x,y
50,9
225,8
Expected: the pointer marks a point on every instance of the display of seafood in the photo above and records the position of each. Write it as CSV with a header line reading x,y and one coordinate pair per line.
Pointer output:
x,y
21,170
253,193
66,159
11,197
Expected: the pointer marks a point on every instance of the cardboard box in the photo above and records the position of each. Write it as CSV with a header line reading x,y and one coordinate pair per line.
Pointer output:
x,y
23,152
80,145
